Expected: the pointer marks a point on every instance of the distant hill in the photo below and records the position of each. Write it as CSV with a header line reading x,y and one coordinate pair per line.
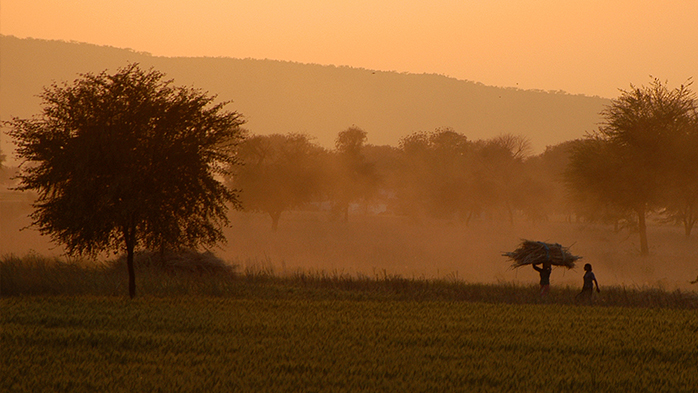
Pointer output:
x,y
282,97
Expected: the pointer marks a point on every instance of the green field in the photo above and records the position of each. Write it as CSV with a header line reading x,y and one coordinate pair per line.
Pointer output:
x,y
199,343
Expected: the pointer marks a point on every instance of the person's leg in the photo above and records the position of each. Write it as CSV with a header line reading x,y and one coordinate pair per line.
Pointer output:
x,y
587,296
582,296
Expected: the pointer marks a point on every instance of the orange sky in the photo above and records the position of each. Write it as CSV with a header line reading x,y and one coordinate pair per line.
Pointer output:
x,y
591,47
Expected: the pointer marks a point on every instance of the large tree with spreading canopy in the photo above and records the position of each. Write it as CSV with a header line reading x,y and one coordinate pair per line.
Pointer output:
x,y
127,160
638,159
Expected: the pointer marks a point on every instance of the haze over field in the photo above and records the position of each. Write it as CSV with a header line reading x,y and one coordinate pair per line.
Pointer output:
x,y
377,245
540,69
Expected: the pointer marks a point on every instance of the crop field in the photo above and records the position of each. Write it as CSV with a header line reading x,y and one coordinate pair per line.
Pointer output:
x,y
246,344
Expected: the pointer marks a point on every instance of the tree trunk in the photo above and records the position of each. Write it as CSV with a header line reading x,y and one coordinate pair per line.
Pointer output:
x,y
688,221
642,227
129,235
275,216
687,228
470,217
162,254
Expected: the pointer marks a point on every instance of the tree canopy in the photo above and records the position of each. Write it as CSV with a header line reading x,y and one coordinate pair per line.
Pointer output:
x,y
640,154
354,178
279,172
128,160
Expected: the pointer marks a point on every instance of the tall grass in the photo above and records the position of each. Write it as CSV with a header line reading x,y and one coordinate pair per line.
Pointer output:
x,y
196,274
38,275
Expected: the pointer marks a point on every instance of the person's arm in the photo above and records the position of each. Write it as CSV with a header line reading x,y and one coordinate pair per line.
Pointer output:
x,y
597,284
537,268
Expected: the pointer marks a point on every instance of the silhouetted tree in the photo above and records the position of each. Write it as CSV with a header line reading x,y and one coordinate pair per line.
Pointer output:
x,y
386,160
279,172
631,161
591,185
4,171
354,178
500,169
547,170
128,160
682,201
436,173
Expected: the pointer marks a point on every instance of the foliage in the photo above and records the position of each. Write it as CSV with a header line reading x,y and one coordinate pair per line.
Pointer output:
x,y
127,160
352,178
500,166
387,163
172,273
681,205
435,173
279,172
590,183
638,154
546,170
445,174
260,345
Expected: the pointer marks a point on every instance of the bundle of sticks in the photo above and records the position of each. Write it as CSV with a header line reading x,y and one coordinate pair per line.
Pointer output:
x,y
532,253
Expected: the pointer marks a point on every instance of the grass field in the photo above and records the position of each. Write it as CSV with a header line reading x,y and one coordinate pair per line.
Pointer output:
x,y
207,276
201,324
225,344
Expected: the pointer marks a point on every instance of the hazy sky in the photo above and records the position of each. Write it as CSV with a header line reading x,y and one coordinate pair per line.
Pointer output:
x,y
591,47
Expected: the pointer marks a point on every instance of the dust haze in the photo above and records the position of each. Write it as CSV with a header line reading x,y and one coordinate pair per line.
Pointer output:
x,y
283,97
376,245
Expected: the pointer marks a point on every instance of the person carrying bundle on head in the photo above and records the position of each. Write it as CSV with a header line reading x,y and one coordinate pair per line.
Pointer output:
x,y
544,277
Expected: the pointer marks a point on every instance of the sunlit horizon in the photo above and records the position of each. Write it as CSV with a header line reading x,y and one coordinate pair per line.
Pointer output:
x,y
590,47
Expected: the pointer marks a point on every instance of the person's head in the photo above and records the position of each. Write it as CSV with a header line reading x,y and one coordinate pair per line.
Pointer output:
x,y
587,267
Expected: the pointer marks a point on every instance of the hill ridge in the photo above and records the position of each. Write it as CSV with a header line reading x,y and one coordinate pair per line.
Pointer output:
x,y
280,96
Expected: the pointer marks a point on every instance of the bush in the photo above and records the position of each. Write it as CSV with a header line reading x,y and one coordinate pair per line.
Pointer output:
x,y
186,261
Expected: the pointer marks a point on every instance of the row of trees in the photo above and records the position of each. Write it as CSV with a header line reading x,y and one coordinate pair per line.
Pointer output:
x,y
128,161
643,159
439,173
